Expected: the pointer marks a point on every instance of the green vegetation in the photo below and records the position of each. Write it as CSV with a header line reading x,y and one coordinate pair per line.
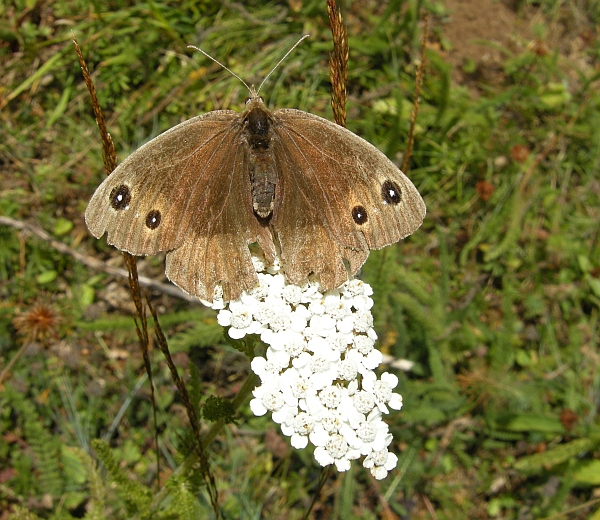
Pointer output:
x,y
495,299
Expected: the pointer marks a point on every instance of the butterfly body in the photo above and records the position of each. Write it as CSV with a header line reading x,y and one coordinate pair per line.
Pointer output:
x,y
299,186
263,175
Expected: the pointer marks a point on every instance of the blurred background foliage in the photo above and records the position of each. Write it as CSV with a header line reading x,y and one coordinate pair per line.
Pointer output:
x,y
495,299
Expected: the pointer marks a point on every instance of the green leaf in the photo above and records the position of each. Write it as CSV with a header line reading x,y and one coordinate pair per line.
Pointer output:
x,y
587,473
72,466
584,263
534,423
86,295
46,277
558,455
60,108
554,95
62,226
595,286
522,358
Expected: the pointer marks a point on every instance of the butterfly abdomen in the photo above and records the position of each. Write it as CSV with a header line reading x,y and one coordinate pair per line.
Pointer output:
x,y
263,177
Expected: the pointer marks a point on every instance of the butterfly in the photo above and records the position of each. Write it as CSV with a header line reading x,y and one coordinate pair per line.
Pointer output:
x,y
304,189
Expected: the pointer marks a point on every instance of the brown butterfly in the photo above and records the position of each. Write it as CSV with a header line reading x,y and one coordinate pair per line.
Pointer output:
x,y
301,187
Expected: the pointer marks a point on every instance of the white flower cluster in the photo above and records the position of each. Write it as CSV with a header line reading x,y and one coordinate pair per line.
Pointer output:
x,y
317,377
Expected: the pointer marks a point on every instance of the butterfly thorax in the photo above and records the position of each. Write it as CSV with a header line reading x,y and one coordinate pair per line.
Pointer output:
x,y
257,123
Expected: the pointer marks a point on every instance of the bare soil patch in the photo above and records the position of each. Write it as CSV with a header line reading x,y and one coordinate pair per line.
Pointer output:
x,y
480,31
483,33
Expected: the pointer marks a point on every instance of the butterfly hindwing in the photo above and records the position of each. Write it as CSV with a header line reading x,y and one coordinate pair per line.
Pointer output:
x,y
215,251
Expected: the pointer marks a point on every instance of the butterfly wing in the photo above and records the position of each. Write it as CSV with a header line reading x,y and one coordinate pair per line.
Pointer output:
x,y
160,176
187,191
216,250
339,197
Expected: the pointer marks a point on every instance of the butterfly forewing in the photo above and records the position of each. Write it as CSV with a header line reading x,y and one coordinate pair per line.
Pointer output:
x,y
339,188
168,176
185,192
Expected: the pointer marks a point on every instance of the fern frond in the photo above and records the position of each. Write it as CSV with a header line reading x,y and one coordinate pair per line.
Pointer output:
x,y
136,496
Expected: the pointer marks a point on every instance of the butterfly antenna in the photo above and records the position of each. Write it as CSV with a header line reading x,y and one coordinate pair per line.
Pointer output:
x,y
227,69
279,63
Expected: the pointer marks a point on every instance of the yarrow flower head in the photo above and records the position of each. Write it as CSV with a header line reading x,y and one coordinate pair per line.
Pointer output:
x,y
317,376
